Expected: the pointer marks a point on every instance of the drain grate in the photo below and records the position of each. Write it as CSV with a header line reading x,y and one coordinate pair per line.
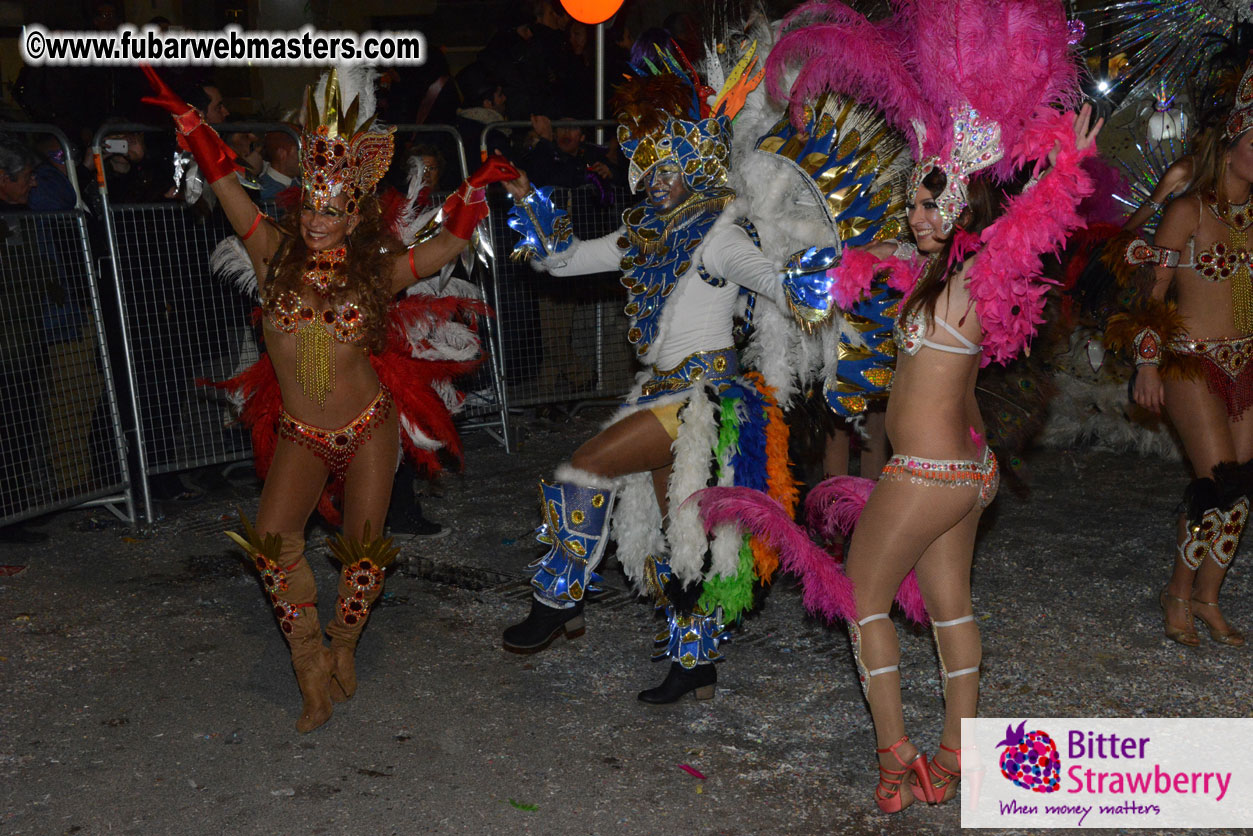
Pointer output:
x,y
471,578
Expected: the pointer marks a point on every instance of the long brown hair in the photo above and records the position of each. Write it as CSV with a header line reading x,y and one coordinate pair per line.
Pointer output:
x,y
986,201
1209,165
368,265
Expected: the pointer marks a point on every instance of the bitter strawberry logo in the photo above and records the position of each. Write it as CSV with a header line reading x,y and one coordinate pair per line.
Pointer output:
x,y
1030,759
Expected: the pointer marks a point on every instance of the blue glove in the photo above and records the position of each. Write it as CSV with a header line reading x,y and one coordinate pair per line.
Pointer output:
x,y
544,229
807,285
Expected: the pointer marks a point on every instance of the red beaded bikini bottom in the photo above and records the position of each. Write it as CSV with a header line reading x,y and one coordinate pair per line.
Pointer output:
x,y
336,448
1228,372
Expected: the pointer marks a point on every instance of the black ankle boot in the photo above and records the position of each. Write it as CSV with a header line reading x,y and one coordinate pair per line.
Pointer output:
x,y
679,681
542,625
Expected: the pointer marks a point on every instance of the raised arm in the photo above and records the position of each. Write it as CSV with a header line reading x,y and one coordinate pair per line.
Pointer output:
x,y
460,215
218,165
1174,179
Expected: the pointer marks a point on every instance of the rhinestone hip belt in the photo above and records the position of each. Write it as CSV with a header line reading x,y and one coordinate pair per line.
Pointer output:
x,y
336,448
954,473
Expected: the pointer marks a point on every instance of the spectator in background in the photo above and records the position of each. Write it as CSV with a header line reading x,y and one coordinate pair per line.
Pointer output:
x,y
53,191
515,29
281,169
247,148
133,176
207,98
485,105
432,173
579,94
17,174
534,81
561,156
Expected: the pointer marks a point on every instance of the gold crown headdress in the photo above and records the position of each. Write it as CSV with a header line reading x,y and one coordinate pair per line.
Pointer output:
x,y
343,150
976,145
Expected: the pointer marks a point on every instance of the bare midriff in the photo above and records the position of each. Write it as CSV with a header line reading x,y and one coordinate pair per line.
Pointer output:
x,y
932,407
356,382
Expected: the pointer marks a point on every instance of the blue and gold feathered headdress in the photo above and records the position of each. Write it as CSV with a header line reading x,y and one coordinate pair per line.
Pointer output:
x,y
670,115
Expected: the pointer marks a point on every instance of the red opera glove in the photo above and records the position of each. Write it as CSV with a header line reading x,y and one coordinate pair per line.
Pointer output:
x,y
467,206
215,158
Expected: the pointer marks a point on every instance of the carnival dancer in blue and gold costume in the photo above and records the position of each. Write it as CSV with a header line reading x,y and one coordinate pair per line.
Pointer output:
x,y
694,417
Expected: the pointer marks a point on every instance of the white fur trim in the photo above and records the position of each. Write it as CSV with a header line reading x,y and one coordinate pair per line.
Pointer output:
x,y
567,472
693,449
637,526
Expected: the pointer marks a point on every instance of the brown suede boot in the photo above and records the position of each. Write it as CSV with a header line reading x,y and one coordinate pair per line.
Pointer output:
x,y
289,581
360,584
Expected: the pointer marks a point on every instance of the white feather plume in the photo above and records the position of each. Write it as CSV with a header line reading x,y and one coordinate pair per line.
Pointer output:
x,y
230,263
355,81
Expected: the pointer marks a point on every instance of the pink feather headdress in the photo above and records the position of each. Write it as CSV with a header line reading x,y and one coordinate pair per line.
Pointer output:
x,y
977,85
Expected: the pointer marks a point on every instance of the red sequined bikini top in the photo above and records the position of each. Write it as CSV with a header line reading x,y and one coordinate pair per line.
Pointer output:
x,y
289,312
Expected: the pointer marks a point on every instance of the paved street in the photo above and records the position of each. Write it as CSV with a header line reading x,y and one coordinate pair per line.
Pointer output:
x,y
146,689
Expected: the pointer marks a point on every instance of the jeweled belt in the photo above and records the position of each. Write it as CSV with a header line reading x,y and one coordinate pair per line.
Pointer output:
x,y
719,368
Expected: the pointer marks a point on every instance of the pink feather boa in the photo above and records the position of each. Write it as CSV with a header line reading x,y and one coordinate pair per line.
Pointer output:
x,y
1004,280
833,508
827,591
853,276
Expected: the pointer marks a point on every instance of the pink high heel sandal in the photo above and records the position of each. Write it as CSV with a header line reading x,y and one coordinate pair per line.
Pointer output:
x,y
887,794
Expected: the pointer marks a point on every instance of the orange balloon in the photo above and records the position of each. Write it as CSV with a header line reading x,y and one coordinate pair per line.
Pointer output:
x,y
592,11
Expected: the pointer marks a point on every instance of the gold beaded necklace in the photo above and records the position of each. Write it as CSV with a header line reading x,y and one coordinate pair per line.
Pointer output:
x,y
315,348
1238,219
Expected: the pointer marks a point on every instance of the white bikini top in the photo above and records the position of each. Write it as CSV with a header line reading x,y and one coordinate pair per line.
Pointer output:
x,y
910,334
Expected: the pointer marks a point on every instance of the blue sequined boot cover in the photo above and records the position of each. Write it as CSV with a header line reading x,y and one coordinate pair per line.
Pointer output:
x,y
690,638
576,526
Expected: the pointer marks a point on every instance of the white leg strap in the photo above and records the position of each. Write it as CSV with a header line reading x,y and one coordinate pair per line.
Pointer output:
x,y
955,621
889,668
962,672
878,671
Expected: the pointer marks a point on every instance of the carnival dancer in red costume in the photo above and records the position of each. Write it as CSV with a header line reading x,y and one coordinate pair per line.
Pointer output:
x,y
1192,356
348,376
975,85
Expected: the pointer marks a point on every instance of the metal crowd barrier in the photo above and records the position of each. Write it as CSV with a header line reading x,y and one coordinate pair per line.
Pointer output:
x,y
563,339
61,435
180,324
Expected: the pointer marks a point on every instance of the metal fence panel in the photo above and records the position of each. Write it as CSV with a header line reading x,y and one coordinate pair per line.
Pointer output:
x,y
564,338
61,440
182,325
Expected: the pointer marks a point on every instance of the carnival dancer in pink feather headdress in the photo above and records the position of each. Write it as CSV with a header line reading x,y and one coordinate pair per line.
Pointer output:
x,y
983,88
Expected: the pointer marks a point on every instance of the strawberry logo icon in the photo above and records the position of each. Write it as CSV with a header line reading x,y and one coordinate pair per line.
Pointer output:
x,y
1030,759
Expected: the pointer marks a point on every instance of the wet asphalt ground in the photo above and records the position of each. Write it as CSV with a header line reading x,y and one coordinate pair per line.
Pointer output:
x,y
146,690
